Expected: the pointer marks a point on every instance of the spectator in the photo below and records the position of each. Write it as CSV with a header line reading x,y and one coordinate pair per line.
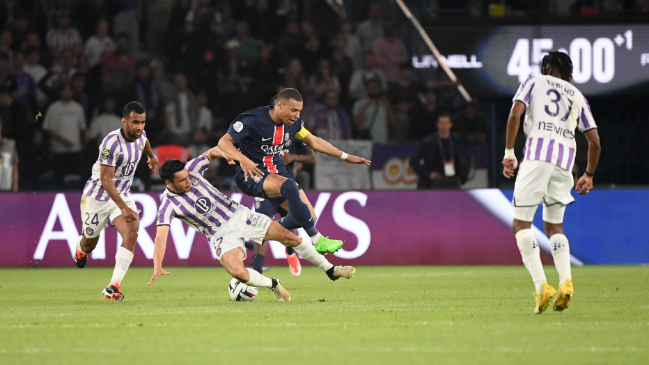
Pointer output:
x,y
106,122
111,58
123,74
79,60
167,91
400,131
323,81
294,76
59,74
105,90
37,72
6,40
127,21
98,45
249,51
342,65
63,36
330,121
470,125
14,118
8,164
204,121
232,67
37,172
424,116
19,29
289,44
405,88
25,86
199,144
79,93
182,114
442,159
65,123
265,68
389,52
373,113
6,77
371,30
360,78
228,25
312,53
353,47
146,92
32,41
203,8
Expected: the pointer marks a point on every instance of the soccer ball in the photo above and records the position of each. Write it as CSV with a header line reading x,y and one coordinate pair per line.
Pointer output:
x,y
242,292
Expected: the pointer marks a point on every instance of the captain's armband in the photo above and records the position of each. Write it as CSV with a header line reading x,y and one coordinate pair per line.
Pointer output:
x,y
302,133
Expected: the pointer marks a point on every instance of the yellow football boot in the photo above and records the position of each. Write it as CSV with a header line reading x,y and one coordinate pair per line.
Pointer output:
x,y
543,299
562,301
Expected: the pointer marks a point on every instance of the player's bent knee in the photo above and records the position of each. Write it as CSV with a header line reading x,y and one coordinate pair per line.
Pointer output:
x,y
240,273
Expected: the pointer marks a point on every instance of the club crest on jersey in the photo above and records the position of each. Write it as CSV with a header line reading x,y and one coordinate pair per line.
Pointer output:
x,y
204,206
238,126
286,137
141,147
194,181
89,231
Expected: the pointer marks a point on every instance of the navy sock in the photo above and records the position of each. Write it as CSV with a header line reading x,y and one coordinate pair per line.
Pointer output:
x,y
298,209
258,263
289,222
290,251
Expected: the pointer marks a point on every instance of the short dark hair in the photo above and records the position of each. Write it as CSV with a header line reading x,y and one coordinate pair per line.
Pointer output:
x,y
169,168
444,114
133,106
289,94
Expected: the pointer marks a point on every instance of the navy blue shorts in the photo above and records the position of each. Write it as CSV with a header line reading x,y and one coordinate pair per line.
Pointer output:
x,y
256,188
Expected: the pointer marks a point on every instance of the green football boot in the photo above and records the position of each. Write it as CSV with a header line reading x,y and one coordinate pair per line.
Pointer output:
x,y
326,245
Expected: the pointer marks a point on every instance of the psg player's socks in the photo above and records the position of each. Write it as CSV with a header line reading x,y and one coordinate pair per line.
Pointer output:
x,y
289,250
308,252
531,253
258,262
79,244
561,254
123,259
259,280
289,222
299,210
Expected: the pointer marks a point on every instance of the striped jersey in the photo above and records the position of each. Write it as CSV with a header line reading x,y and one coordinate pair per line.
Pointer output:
x,y
262,140
203,207
115,150
554,109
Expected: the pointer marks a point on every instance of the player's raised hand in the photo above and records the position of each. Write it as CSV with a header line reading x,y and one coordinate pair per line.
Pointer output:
x,y
153,162
156,274
509,165
584,185
129,215
250,168
357,160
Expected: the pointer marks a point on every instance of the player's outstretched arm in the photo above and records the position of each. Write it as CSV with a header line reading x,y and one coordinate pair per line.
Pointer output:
x,y
159,252
226,144
215,153
513,123
106,173
320,145
585,183
153,159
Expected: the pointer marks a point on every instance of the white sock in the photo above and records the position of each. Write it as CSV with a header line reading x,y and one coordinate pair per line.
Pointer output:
x,y
308,252
79,244
561,254
259,280
315,238
123,259
531,254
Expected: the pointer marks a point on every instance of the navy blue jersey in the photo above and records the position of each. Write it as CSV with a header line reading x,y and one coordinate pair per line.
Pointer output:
x,y
260,139
297,147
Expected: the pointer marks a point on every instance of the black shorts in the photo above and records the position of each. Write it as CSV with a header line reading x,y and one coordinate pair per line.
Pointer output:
x,y
256,188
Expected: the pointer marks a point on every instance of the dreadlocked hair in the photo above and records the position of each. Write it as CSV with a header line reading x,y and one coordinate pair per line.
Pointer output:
x,y
560,62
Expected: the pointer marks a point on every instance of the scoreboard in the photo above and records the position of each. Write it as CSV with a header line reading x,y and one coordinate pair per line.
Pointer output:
x,y
493,61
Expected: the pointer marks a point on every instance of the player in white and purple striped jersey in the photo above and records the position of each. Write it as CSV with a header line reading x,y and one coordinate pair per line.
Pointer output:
x,y
107,194
553,109
192,199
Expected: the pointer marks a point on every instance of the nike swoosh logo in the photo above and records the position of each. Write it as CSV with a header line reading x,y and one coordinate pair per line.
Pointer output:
x,y
266,139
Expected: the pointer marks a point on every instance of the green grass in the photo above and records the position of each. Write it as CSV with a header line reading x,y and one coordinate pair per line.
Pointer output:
x,y
407,315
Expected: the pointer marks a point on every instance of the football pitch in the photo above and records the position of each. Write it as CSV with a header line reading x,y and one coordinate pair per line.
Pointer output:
x,y
384,315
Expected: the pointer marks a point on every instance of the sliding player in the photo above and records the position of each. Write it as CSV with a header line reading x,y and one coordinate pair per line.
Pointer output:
x,y
553,109
256,138
192,199
107,194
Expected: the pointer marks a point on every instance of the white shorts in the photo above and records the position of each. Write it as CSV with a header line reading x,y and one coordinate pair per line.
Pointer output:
x,y
540,182
244,224
95,214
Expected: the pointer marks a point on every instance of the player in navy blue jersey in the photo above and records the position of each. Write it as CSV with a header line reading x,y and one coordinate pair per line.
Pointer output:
x,y
255,140
296,151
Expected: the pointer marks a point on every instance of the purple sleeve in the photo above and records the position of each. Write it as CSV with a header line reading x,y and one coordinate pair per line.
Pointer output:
x,y
525,91
199,164
109,150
